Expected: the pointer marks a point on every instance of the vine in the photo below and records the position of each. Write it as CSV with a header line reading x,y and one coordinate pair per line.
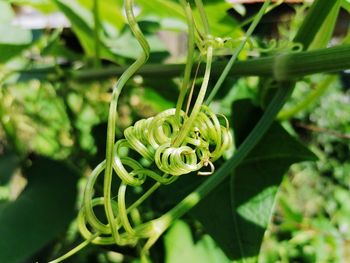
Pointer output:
x,y
173,143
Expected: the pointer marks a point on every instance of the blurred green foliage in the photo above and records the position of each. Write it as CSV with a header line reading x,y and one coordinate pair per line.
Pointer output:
x,y
45,113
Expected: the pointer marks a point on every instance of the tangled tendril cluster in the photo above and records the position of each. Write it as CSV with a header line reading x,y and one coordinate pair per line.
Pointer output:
x,y
162,148
152,140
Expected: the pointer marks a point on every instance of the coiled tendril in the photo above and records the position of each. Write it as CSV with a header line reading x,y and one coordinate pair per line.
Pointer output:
x,y
159,148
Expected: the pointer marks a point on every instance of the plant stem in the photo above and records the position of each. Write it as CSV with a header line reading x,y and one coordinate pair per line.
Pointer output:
x,y
75,250
310,98
313,21
236,53
112,115
189,61
295,65
199,101
203,16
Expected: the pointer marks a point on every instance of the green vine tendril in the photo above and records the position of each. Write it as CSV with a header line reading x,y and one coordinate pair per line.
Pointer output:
x,y
173,142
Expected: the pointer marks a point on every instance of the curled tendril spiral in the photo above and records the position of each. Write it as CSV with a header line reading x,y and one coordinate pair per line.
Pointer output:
x,y
159,148
151,138
280,46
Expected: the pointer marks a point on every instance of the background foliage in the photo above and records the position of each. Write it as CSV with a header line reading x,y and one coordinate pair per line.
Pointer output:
x,y
53,109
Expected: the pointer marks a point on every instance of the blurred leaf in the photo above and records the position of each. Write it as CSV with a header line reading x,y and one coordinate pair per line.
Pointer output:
x,y
6,12
13,40
346,5
110,13
44,6
180,247
41,212
248,196
8,164
221,23
325,33
82,23
127,46
114,45
162,8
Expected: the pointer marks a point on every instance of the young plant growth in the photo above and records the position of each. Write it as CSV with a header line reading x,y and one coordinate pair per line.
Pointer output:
x,y
184,158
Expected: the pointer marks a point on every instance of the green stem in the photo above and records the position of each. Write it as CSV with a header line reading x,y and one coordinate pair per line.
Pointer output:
x,y
199,101
236,52
75,250
316,15
113,114
312,96
189,62
203,16
300,64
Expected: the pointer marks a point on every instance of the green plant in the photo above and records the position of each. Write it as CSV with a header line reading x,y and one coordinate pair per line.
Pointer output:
x,y
239,194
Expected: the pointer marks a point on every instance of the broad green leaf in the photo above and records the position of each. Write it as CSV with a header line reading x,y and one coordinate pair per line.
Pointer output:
x,y
41,213
8,164
13,39
325,33
110,13
180,247
221,24
113,46
127,46
13,35
241,207
6,12
161,8
82,23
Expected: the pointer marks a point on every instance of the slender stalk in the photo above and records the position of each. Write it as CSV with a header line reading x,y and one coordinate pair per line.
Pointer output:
x,y
75,250
203,16
295,65
199,101
112,116
310,98
189,63
300,64
316,15
236,52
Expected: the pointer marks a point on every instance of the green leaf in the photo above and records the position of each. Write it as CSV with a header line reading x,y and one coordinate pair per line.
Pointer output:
x,y
41,212
180,247
44,6
13,40
241,207
221,23
325,33
162,9
82,23
110,13
6,12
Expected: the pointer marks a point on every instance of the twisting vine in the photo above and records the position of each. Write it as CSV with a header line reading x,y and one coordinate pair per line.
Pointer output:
x,y
173,142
